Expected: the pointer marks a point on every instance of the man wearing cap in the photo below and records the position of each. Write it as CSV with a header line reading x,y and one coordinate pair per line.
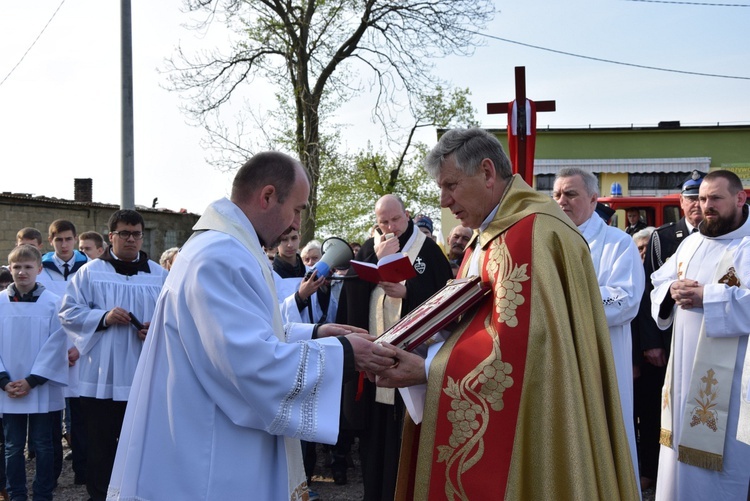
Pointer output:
x,y
655,342
424,224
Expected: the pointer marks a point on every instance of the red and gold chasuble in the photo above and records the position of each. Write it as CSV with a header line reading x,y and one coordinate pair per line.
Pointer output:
x,y
483,376
522,399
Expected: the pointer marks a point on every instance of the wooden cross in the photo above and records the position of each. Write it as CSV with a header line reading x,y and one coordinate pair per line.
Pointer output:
x,y
496,108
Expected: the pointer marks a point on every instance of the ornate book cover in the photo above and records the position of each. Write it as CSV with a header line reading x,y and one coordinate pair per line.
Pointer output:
x,y
437,312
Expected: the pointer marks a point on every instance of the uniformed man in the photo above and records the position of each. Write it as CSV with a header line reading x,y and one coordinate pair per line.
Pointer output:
x,y
655,343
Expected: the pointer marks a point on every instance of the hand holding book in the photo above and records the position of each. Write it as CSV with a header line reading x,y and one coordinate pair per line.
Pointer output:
x,y
392,268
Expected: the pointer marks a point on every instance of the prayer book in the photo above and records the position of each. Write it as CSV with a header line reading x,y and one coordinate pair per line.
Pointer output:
x,y
393,268
442,308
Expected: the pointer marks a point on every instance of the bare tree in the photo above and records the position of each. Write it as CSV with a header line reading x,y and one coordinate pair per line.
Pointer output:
x,y
350,187
314,51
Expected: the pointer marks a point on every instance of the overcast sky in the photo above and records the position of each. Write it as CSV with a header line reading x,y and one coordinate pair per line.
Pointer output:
x,y
60,108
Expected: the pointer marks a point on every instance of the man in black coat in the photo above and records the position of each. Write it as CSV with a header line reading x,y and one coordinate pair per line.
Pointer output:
x,y
655,343
377,414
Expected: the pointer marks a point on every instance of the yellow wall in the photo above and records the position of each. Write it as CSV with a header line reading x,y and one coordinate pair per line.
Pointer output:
x,y
607,178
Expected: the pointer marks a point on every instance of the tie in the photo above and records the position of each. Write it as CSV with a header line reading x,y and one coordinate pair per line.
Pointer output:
x,y
67,271
694,230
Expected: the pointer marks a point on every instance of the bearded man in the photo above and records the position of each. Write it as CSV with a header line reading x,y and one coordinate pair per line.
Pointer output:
x,y
701,294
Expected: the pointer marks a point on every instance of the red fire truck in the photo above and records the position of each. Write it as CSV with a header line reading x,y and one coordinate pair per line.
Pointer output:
x,y
655,211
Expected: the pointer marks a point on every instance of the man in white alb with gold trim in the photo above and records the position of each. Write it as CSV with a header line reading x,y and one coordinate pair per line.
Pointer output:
x,y
702,293
223,390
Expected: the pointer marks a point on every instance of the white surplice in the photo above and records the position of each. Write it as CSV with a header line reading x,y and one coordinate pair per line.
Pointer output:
x,y
108,356
216,390
56,283
726,313
619,271
32,342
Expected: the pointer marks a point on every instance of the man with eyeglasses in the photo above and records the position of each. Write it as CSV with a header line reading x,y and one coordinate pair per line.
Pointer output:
x,y
96,312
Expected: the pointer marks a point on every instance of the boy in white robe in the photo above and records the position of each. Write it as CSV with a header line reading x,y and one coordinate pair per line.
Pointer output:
x,y
96,312
58,268
33,370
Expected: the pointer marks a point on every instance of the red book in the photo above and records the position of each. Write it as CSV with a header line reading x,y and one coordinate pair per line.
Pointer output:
x,y
442,308
393,268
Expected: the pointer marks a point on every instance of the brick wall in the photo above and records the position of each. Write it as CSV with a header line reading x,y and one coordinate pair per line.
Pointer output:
x,y
163,229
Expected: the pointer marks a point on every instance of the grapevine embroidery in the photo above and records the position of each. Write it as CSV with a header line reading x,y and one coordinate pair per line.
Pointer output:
x,y
481,390
703,413
508,284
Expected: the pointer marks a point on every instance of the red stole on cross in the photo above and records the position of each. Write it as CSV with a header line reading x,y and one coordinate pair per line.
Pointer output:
x,y
482,378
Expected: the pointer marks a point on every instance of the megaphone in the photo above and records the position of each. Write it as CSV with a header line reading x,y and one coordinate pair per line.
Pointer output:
x,y
336,254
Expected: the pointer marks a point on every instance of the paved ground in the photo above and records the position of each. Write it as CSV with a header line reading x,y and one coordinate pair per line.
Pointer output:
x,y
322,482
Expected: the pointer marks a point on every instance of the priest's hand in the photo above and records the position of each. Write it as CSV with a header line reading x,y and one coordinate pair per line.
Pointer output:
x,y
687,294
370,357
407,371
393,289
328,330
386,246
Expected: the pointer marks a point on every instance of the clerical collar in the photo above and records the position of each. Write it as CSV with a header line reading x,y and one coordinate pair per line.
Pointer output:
x,y
138,257
474,263
582,227
489,218
127,268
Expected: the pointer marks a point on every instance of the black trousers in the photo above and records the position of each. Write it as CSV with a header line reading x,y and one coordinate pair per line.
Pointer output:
x,y
103,424
647,401
379,450
57,447
78,439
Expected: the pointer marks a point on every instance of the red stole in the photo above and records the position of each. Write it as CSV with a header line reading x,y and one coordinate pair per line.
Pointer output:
x,y
481,388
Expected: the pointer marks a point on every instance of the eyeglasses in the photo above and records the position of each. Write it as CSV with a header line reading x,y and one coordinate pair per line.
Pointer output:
x,y
137,235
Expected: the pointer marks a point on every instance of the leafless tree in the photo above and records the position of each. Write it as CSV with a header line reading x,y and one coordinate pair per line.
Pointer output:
x,y
314,51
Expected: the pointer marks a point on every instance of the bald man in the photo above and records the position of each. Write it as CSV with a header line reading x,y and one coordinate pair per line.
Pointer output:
x,y
378,414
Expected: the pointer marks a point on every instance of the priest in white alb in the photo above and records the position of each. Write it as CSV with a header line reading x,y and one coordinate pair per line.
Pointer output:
x,y
223,390
701,293
619,272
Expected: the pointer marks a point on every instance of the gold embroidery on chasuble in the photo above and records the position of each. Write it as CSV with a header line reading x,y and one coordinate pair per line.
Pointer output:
x,y
481,390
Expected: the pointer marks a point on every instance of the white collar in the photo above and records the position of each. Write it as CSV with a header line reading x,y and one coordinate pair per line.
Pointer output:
x,y
60,263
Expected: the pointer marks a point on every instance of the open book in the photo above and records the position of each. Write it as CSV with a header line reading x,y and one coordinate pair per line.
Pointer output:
x,y
442,308
393,268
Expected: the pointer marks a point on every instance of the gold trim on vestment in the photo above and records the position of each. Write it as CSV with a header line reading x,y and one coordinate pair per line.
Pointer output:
x,y
699,458
665,438
429,422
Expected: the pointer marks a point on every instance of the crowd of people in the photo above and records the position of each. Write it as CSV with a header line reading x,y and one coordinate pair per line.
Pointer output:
x,y
215,373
